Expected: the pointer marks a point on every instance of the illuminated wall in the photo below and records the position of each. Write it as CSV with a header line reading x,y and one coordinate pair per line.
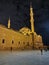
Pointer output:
x,y
10,38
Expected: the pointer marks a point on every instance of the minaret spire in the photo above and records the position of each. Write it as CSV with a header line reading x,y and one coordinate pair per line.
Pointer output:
x,y
31,18
9,23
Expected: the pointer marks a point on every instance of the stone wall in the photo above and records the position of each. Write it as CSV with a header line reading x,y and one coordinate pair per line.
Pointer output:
x,y
13,39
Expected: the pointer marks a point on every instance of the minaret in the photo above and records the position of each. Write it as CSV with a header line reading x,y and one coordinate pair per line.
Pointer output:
x,y
31,18
9,23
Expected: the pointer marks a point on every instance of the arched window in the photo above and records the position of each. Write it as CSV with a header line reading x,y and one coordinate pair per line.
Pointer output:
x,y
3,41
19,42
12,42
23,42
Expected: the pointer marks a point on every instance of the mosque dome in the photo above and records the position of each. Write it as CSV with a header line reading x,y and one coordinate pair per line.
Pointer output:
x,y
25,30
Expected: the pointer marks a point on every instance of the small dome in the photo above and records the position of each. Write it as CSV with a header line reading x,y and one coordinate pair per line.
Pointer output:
x,y
25,30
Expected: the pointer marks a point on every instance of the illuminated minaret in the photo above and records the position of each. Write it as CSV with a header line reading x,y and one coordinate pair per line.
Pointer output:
x,y
9,23
31,18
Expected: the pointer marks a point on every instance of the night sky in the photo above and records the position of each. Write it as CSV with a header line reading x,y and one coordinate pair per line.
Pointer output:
x,y
18,11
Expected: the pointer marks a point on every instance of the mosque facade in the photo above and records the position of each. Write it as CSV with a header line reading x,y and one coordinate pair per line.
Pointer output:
x,y
23,39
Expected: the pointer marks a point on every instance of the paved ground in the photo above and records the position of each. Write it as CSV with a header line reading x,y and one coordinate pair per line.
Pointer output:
x,y
24,58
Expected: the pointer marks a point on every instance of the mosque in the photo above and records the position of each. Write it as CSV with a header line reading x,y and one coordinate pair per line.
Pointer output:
x,y
23,39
